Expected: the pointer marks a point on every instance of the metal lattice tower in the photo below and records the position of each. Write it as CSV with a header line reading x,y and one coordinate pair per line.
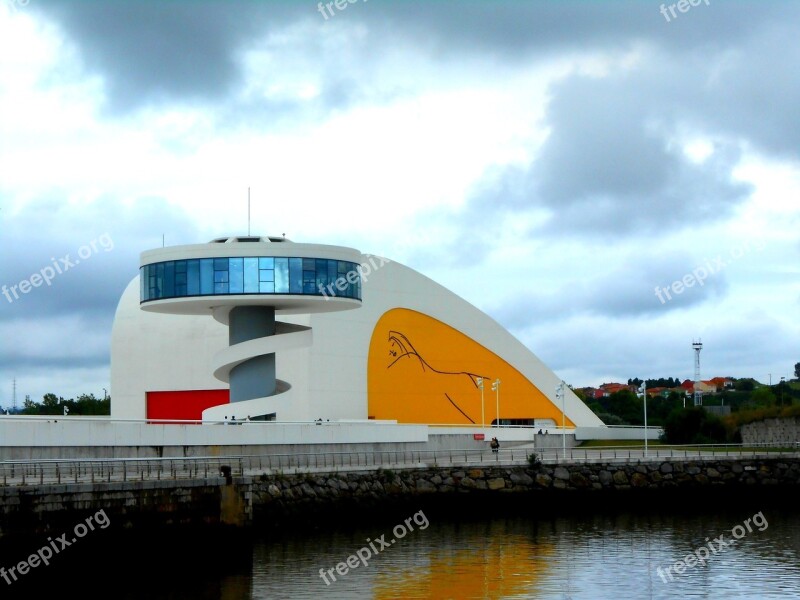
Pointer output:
x,y
698,395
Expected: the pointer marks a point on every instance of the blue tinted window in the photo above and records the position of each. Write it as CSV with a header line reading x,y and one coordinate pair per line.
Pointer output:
x,y
236,277
332,274
309,282
193,277
250,275
159,286
281,275
169,280
206,276
295,275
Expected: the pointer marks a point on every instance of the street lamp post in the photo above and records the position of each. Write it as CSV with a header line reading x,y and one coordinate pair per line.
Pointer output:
x,y
644,398
496,389
783,384
560,393
483,412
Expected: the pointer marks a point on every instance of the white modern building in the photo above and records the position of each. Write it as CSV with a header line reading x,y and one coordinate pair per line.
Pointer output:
x,y
268,329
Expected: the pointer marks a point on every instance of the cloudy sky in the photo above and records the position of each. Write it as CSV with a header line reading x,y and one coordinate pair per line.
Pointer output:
x,y
554,163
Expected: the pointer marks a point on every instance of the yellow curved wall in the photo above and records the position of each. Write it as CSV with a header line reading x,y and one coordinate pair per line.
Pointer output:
x,y
421,370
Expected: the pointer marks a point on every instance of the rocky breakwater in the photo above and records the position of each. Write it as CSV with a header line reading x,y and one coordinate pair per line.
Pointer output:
x,y
302,494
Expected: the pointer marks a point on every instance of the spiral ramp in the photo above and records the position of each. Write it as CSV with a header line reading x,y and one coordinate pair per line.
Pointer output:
x,y
243,282
287,336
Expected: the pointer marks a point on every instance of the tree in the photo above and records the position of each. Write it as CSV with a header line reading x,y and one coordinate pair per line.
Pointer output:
x,y
763,396
797,370
659,408
29,407
610,419
735,399
50,402
86,404
694,426
627,406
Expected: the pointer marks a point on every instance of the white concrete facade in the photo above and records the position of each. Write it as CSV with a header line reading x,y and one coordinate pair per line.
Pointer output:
x,y
328,379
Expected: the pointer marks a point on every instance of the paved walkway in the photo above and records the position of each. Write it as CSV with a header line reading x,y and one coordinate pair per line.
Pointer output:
x,y
89,471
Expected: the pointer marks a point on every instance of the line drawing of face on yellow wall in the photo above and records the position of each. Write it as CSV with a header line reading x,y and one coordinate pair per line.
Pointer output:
x,y
401,348
422,370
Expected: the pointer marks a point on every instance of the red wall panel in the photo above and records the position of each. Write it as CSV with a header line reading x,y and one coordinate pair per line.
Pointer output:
x,y
187,405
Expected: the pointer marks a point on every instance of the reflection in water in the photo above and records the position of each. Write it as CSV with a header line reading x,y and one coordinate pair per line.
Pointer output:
x,y
498,561
591,557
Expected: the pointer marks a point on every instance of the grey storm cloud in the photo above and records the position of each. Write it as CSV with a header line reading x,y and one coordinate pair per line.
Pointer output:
x,y
628,290
39,328
93,251
609,171
161,51
184,51
609,165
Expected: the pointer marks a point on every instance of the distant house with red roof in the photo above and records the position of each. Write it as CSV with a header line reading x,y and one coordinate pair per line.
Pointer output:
x,y
663,392
706,386
721,383
611,388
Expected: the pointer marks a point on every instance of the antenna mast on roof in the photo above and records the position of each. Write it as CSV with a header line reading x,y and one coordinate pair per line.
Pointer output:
x,y
248,211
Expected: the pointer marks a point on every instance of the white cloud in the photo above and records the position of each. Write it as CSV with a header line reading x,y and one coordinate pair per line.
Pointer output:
x,y
417,138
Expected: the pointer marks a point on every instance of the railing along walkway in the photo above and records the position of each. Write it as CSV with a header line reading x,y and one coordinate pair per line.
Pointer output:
x,y
74,471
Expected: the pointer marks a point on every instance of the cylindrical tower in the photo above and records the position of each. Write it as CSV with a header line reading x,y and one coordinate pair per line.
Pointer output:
x,y
698,394
244,282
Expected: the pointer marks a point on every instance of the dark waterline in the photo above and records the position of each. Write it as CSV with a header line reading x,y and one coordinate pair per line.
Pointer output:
x,y
520,549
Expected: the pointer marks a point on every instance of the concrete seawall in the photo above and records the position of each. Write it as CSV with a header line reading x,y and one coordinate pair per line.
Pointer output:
x,y
271,499
776,432
39,509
